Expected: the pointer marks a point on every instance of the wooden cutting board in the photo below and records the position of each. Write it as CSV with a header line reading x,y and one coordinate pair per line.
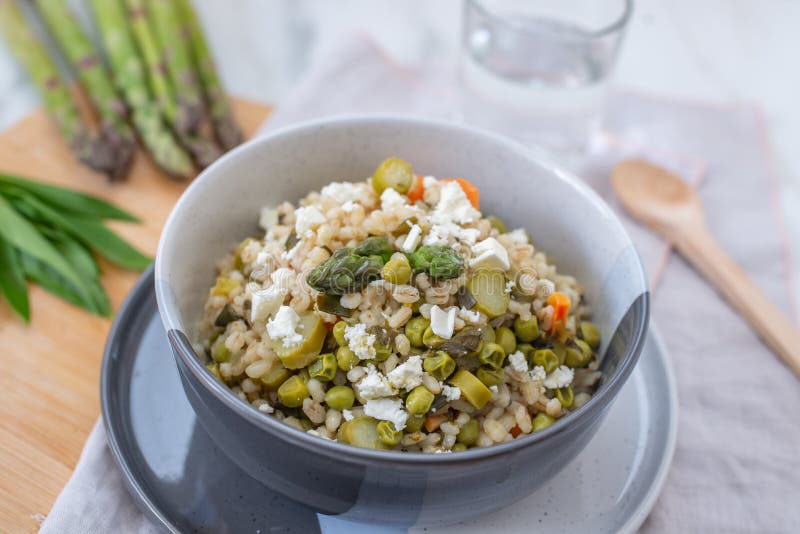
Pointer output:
x,y
49,369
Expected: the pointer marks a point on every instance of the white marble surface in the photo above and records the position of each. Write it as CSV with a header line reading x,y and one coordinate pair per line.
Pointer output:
x,y
726,51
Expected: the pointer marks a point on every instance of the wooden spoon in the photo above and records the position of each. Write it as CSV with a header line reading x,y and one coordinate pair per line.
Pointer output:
x,y
668,205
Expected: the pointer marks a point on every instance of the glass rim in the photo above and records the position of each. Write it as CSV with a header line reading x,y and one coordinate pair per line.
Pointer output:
x,y
617,24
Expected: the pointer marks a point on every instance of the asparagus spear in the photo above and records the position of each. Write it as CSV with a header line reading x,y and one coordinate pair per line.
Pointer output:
x,y
203,150
131,79
32,54
84,60
228,133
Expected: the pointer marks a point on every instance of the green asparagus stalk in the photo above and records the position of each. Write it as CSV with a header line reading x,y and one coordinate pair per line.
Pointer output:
x,y
228,133
178,62
131,79
58,100
81,54
203,150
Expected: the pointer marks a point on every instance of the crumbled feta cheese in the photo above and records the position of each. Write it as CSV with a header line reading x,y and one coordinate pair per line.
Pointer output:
x,y
518,236
448,234
494,390
559,378
489,254
268,218
392,199
349,206
360,342
509,286
262,258
284,326
518,362
347,414
412,239
387,410
307,218
374,385
429,181
266,302
443,322
470,316
453,206
407,375
342,191
451,393
537,374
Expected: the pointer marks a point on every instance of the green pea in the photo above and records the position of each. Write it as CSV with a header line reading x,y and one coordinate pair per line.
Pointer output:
x,y
414,422
489,376
542,420
440,365
397,271
213,368
565,396
382,351
415,329
340,398
492,355
488,335
468,434
526,349
277,375
393,173
419,400
506,339
579,355
388,434
589,333
323,368
528,330
457,447
221,353
346,359
338,333
292,392
547,359
431,340
497,223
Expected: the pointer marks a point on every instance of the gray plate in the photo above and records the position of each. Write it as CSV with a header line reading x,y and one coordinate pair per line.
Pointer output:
x,y
182,481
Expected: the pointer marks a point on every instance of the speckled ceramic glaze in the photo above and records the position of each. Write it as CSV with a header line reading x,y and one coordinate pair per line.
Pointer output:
x,y
565,219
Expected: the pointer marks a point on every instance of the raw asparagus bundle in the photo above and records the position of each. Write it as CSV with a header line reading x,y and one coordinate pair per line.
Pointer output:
x,y
131,79
225,128
83,58
176,111
24,44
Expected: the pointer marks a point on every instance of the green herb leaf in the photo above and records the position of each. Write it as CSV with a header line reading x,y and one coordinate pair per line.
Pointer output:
x,y
92,233
80,257
21,234
69,200
12,281
56,284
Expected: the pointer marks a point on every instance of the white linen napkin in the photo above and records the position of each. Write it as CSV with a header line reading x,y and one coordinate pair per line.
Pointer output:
x,y
736,467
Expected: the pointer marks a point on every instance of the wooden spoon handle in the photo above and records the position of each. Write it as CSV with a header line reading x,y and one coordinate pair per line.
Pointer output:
x,y
703,251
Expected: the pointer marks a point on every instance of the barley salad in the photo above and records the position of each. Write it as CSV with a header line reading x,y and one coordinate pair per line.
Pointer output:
x,y
391,314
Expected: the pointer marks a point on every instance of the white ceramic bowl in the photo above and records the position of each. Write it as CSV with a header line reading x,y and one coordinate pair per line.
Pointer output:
x,y
565,218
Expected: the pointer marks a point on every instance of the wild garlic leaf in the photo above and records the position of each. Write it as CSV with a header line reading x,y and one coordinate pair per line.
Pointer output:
x,y
56,284
69,200
12,281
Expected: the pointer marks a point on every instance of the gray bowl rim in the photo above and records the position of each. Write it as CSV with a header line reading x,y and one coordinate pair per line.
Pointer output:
x,y
184,350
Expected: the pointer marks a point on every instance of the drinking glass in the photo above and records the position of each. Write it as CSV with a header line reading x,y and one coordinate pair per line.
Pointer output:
x,y
538,69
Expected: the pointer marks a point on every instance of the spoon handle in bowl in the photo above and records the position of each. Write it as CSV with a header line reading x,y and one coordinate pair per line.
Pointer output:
x,y
702,250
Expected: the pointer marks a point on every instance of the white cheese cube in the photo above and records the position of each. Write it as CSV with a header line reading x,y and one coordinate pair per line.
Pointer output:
x,y
489,254
443,322
412,239
559,378
307,218
407,375
266,302
518,362
268,218
387,410
374,385
284,326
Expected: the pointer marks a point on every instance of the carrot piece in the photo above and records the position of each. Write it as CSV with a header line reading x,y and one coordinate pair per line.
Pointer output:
x,y
472,192
417,191
560,303
433,421
515,431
